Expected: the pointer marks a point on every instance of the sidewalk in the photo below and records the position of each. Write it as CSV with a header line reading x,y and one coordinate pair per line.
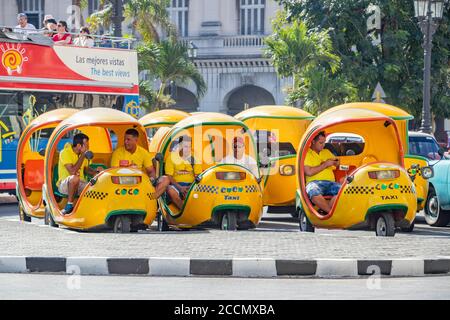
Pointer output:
x,y
213,252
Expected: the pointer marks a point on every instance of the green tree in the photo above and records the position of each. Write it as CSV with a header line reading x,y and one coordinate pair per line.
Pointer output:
x,y
168,61
397,63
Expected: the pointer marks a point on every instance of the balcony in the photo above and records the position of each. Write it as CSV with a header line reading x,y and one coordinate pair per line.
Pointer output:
x,y
227,46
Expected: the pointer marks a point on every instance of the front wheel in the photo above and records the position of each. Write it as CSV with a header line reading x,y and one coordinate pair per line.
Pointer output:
x,y
304,223
48,219
161,223
122,224
409,229
228,222
434,215
385,225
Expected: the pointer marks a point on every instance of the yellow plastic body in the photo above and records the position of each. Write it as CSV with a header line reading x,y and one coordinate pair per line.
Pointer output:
x,y
101,199
362,196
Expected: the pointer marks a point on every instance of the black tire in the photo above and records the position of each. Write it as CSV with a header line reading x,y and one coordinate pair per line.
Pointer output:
x,y
162,223
122,224
435,216
304,224
409,229
48,219
295,214
228,221
385,225
23,216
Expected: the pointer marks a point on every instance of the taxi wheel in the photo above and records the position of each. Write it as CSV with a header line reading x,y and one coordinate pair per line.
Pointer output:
x,y
434,215
161,223
385,225
122,224
228,222
304,223
409,229
23,216
48,219
294,214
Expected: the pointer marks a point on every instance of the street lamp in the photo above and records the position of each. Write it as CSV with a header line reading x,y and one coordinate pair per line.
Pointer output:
x,y
192,50
428,12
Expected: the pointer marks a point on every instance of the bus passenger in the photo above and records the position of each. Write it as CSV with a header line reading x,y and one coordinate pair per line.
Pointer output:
x,y
23,26
72,161
62,37
182,170
134,156
84,39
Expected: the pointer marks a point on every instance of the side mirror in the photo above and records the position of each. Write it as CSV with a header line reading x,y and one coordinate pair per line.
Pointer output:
x,y
427,172
42,152
89,155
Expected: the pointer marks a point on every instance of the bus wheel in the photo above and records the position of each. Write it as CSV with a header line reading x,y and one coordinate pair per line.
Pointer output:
x,y
385,225
161,222
304,223
48,219
122,224
228,222
23,216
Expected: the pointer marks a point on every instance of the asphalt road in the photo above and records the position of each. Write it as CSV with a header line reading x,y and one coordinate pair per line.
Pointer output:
x,y
60,287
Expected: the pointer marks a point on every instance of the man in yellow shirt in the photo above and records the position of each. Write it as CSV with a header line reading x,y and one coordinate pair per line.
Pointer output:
x,y
181,169
134,156
320,181
72,160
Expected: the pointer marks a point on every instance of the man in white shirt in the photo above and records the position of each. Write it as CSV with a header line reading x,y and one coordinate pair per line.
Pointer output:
x,y
240,158
24,26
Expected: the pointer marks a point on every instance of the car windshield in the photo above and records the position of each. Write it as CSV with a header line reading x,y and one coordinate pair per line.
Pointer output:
x,y
424,146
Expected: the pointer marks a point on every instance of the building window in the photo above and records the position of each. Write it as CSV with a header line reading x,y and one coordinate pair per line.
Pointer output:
x,y
178,13
252,16
34,9
93,6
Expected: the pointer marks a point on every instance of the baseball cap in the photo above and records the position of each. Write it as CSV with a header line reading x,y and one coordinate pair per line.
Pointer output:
x,y
48,17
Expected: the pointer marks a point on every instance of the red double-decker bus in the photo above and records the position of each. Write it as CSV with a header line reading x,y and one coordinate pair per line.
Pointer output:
x,y
37,76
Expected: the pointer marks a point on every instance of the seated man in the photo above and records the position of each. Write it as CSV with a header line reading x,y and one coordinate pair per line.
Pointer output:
x,y
72,159
181,169
134,156
320,181
240,158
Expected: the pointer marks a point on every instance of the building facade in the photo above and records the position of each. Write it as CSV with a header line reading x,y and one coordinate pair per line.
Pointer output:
x,y
229,35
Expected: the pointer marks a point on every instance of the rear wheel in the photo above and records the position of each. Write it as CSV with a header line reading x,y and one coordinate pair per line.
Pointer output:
x,y
409,229
294,214
228,222
48,219
434,215
304,223
385,225
122,224
23,216
162,223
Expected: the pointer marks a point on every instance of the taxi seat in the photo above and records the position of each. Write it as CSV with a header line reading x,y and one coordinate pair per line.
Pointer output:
x,y
34,174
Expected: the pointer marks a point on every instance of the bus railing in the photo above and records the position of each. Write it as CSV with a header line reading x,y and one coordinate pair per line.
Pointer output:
x,y
43,37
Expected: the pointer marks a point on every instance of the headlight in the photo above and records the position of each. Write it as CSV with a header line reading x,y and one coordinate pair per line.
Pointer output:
x,y
127,180
427,172
384,174
287,170
230,175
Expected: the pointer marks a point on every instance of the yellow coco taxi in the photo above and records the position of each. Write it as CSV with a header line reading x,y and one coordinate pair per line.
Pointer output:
x,y
413,163
376,191
162,118
121,199
277,131
30,162
225,192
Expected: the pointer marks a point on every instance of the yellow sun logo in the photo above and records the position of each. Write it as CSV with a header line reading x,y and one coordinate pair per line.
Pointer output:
x,y
13,58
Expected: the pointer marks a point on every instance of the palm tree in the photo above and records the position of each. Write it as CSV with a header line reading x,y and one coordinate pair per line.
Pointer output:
x,y
168,61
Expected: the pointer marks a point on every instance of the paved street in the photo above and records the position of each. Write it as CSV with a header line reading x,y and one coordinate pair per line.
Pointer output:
x,y
276,237
15,286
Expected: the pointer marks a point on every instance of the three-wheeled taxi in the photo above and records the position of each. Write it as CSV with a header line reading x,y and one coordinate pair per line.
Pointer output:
x,y
277,131
224,193
413,163
162,118
120,198
376,190
30,162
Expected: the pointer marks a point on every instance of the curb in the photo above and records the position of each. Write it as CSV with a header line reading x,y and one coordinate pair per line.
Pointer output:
x,y
236,267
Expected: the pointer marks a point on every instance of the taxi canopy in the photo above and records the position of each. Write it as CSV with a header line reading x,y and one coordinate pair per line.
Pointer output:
x,y
379,134
53,116
274,112
212,135
167,117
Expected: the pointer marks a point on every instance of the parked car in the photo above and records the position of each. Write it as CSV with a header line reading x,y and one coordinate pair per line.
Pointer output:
x,y
437,206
